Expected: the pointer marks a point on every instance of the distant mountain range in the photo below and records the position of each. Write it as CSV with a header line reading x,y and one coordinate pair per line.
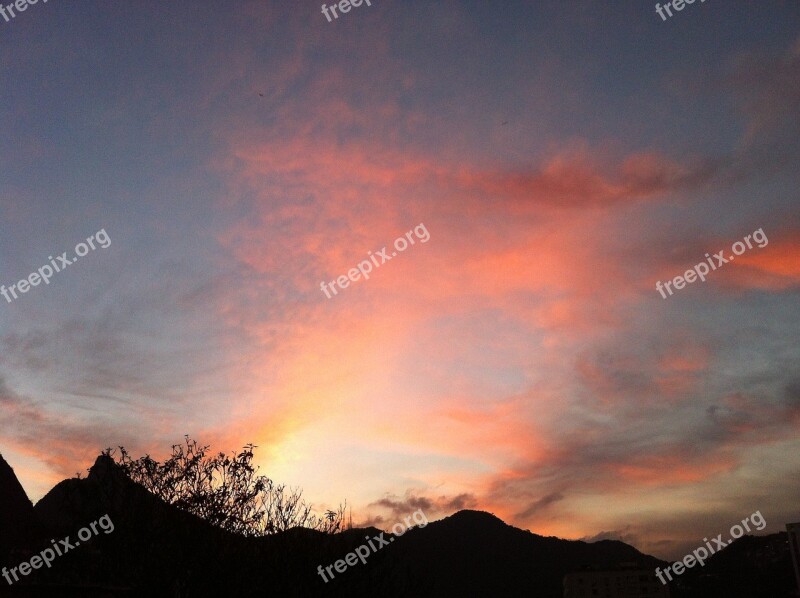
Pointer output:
x,y
158,550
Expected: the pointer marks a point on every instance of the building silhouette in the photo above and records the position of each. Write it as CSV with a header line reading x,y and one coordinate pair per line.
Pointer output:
x,y
625,581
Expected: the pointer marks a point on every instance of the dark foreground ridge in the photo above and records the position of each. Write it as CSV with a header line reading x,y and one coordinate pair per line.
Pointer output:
x,y
158,550
18,523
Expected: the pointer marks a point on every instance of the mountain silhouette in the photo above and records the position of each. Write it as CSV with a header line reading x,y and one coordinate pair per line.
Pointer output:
x,y
755,566
156,550
475,553
18,522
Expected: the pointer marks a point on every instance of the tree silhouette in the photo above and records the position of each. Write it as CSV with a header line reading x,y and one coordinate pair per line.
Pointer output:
x,y
226,490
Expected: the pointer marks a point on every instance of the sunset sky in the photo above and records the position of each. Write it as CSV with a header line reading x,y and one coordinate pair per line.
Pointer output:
x,y
564,157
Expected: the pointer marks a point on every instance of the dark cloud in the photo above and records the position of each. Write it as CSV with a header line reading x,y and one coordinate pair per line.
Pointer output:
x,y
404,506
462,501
395,508
622,535
540,504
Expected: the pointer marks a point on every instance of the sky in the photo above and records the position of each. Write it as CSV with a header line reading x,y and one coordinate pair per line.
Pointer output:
x,y
559,158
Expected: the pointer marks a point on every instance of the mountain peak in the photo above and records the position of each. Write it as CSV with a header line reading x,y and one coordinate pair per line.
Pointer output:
x,y
469,516
103,466
17,519
12,495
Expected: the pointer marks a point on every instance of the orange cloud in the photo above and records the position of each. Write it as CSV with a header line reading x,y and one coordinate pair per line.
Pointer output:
x,y
575,178
775,267
665,470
